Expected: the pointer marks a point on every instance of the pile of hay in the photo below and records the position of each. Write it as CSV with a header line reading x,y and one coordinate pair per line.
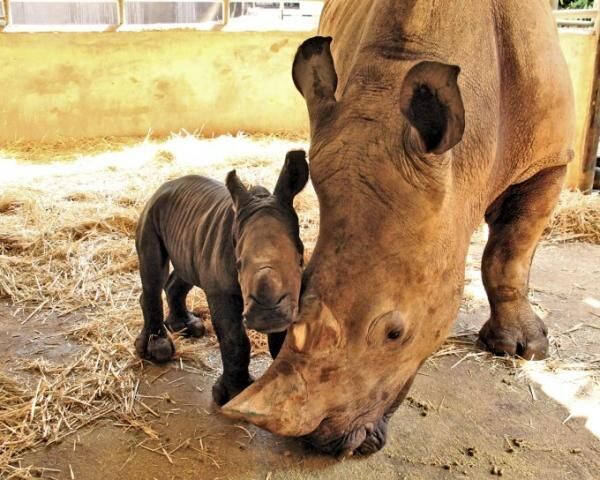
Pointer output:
x,y
66,249
576,218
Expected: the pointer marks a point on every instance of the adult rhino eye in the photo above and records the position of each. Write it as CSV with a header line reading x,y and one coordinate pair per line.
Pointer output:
x,y
389,327
394,334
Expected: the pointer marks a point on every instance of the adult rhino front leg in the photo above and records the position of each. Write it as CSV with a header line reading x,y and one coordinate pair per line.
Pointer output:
x,y
516,221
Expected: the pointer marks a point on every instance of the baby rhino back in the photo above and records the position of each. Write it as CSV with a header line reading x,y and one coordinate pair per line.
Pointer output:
x,y
193,216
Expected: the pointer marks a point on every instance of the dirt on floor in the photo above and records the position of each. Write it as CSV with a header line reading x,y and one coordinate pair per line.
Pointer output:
x,y
473,418
468,415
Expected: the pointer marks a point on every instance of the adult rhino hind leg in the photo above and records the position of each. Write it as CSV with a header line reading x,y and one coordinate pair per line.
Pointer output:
x,y
180,319
153,342
516,221
226,317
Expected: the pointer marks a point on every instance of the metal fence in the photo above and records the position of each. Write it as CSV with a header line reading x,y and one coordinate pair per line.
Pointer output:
x,y
112,14
575,18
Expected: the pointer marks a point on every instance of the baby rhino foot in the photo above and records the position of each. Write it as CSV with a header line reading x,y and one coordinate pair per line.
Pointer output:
x,y
188,324
526,339
223,391
158,348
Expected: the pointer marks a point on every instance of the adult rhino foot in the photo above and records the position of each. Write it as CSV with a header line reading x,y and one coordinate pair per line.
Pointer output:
x,y
375,440
155,347
187,324
527,337
223,390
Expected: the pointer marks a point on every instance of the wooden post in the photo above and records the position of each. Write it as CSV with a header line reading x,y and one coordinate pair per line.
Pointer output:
x,y
7,19
590,145
225,12
121,19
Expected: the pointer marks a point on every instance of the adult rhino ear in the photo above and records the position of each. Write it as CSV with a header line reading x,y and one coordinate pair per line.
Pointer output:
x,y
431,101
293,177
315,78
239,193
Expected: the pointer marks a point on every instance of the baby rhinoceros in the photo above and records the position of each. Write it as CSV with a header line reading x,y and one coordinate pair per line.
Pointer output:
x,y
241,246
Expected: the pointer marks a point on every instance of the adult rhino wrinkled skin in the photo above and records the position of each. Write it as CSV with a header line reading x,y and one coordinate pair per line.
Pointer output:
x,y
426,116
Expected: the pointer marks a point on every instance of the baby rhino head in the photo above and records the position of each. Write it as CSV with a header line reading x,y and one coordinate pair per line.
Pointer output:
x,y
268,250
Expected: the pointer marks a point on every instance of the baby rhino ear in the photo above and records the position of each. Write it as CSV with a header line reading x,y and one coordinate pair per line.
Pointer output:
x,y
293,177
238,191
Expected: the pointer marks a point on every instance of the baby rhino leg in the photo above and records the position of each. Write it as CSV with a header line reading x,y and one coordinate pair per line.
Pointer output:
x,y
153,342
226,316
181,320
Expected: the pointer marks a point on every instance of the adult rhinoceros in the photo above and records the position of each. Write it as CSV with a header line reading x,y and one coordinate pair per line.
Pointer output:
x,y
426,115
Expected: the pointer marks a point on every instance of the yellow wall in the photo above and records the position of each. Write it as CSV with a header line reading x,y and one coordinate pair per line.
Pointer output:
x,y
580,52
125,83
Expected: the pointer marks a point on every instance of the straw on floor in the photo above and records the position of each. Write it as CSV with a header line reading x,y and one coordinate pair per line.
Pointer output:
x,y
66,251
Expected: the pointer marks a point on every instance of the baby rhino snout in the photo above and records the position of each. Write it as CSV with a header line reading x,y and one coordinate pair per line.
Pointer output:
x,y
270,306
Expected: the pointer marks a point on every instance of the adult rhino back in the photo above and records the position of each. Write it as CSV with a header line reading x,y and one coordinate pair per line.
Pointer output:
x,y
426,117
514,81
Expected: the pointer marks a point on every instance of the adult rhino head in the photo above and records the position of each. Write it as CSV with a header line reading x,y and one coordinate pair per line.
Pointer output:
x,y
379,296
402,184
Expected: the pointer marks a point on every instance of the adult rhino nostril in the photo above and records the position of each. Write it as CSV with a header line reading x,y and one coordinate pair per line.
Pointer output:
x,y
254,299
282,298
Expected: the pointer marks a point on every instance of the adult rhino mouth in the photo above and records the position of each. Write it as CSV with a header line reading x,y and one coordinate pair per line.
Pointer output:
x,y
344,445
364,437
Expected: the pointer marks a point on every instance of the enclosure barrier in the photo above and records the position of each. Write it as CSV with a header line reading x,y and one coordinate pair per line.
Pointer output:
x,y
130,83
222,80
579,33
582,18
110,15
125,83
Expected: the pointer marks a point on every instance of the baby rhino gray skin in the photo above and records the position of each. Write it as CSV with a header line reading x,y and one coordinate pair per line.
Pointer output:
x,y
242,247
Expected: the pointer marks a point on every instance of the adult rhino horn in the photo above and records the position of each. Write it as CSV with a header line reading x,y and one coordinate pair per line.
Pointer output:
x,y
317,329
277,402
